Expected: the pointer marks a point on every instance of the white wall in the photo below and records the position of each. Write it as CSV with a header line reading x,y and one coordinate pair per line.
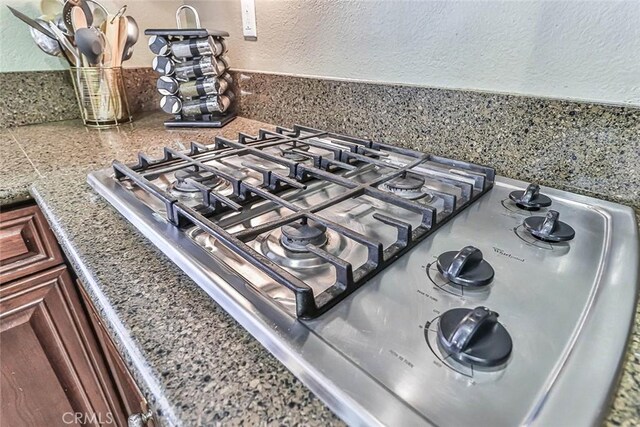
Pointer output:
x,y
19,53
561,49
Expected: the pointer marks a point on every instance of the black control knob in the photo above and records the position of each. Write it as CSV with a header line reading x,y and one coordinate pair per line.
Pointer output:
x,y
474,337
465,267
549,228
530,199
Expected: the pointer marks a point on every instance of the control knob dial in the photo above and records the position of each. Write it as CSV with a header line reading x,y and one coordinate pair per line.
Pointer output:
x,y
465,267
474,337
530,199
549,228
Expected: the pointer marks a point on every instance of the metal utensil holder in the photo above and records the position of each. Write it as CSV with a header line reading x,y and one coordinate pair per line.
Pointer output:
x,y
101,96
203,118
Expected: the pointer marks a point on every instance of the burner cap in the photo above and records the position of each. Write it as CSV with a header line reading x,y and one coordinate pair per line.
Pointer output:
x,y
182,185
290,153
408,187
297,235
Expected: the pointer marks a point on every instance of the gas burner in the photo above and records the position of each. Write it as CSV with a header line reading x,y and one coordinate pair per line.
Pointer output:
x,y
286,245
293,153
297,235
408,187
181,185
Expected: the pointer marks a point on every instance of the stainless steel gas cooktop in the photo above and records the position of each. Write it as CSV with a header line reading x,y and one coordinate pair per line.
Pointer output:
x,y
402,288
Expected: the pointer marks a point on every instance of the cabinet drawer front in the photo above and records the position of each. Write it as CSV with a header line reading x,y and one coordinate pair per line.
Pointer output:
x,y
27,245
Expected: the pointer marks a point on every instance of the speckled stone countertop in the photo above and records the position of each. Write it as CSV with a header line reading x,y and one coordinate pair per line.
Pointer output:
x,y
194,363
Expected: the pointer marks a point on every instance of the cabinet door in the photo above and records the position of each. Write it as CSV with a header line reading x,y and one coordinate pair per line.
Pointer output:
x,y
131,398
27,244
52,369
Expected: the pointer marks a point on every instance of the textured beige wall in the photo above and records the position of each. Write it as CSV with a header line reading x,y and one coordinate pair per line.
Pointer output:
x,y
19,53
585,50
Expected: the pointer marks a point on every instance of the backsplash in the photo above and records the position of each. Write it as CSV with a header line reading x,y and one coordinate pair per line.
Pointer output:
x,y
585,148
47,96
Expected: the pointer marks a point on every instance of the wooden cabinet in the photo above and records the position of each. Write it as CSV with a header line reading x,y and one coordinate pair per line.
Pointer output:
x,y
58,365
27,244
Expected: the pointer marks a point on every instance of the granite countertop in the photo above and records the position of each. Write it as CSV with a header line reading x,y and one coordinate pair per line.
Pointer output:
x,y
194,363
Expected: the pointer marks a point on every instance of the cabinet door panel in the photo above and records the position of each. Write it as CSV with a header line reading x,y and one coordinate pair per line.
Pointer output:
x,y
131,398
27,244
51,364
31,393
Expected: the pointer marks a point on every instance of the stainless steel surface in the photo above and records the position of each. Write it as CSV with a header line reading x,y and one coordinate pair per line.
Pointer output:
x,y
101,95
66,16
48,45
70,52
211,104
201,67
133,33
205,86
189,48
32,23
194,12
374,359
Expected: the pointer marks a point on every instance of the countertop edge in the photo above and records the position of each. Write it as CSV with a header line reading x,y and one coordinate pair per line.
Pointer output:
x,y
118,332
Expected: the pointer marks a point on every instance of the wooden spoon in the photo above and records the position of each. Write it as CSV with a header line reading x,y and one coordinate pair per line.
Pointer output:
x,y
111,30
122,39
78,18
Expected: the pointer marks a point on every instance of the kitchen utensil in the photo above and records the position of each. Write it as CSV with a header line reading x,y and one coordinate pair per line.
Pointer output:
x,y
32,23
98,11
91,43
66,17
78,18
45,43
68,49
122,40
133,32
67,11
59,21
171,104
111,31
50,9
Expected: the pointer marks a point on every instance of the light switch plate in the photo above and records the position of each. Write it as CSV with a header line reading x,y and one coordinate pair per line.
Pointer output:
x,y
249,18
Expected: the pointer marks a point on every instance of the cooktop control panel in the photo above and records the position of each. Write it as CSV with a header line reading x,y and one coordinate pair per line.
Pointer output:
x,y
483,308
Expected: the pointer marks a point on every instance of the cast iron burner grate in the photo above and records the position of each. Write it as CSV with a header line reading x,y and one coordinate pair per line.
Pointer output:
x,y
339,154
